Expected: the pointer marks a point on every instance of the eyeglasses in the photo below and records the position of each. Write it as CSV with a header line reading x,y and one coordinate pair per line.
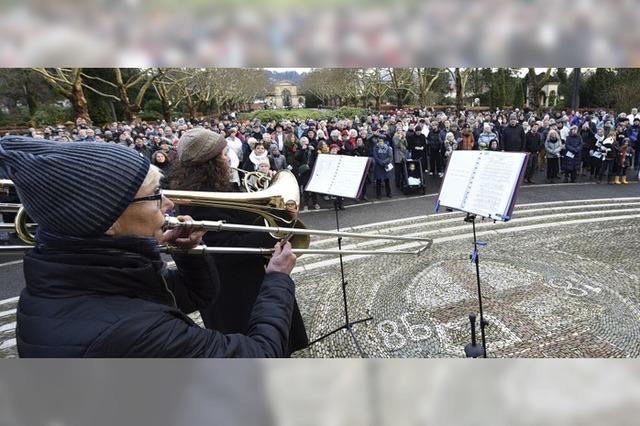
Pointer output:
x,y
157,196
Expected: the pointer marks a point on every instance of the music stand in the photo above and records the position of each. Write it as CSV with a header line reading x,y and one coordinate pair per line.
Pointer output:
x,y
464,188
340,176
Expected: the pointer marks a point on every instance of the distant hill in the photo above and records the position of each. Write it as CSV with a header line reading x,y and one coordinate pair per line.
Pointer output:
x,y
291,76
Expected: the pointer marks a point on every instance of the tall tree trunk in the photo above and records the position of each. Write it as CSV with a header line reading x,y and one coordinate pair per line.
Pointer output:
x,y
31,98
124,97
191,106
459,90
166,109
575,92
78,100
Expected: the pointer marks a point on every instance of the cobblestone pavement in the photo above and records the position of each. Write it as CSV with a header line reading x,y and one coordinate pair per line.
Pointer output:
x,y
559,280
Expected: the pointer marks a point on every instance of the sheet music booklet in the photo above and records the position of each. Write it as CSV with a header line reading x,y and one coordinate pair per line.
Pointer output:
x,y
338,175
484,183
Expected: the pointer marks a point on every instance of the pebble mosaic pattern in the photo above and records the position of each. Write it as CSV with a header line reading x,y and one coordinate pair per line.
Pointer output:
x,y
568,292
549,291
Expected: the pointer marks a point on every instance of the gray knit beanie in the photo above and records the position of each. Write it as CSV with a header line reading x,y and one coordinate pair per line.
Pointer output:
x,y
200,145
73,189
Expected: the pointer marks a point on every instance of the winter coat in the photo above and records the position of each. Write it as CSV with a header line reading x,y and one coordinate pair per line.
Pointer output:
x,y
467,142
145,151
382,156
533,142
116,298
553,148
484,140
434,142
573,146
513,139
241,276
400,149
306,158
237,146
634,135
588,143
292,160
449,147
279,162
606,149
417,145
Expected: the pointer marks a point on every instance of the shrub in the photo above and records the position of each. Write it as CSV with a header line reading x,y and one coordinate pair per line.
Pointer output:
x,y
147,115
100,113
303,114
153,105
52,115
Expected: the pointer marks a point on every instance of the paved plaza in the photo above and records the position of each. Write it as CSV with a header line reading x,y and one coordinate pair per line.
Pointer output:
x,y
559,280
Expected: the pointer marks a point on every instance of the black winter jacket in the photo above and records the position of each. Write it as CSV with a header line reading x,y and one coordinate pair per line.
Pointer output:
x,y
534,142
115,302
513,139
241,276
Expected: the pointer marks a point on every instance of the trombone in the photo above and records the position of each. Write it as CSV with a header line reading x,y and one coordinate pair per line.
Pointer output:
x,y
253,181
276,205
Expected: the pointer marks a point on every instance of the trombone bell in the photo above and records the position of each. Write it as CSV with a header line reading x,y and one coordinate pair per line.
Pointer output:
x,y
277,205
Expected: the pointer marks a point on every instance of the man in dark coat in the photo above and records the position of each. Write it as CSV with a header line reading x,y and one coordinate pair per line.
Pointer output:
x,y
417,144
533,145
513,139
95,283
436,146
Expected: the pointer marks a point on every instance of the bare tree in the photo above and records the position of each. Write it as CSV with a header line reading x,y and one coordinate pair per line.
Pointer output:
x,y
139,79
229,88
327,84
172,85
402,83
68,82
376,84
460,77
315,83
425,79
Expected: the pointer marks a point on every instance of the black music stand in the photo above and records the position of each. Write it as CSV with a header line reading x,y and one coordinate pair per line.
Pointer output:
x,y
473,350
463,189
348,325
340,176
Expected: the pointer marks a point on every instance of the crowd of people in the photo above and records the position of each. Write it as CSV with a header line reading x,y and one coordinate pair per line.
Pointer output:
x,y
110,180
599,145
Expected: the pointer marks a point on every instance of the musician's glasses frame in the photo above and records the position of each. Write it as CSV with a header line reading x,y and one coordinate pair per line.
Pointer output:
x,y
157,196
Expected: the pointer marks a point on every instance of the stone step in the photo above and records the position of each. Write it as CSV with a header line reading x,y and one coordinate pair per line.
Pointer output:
x,y
326,261
460,227
436,220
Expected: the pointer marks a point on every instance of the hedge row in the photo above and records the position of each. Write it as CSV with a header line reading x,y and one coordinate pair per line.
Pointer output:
x,y
303,114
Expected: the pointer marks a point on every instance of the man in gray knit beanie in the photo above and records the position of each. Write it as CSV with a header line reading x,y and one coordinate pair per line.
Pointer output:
x,y
77,190
95,284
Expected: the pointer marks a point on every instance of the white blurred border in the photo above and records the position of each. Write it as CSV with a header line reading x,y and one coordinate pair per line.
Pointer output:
x,y
320,392
489,33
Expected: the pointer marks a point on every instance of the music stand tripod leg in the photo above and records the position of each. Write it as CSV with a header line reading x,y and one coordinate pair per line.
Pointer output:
x,y
347,324
475,257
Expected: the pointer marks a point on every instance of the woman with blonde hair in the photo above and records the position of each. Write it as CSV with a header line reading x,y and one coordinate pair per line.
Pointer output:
x,y
553,147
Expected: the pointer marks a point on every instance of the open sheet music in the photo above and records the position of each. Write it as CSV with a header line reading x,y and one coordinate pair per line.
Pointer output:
x,y
338,175
484,183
